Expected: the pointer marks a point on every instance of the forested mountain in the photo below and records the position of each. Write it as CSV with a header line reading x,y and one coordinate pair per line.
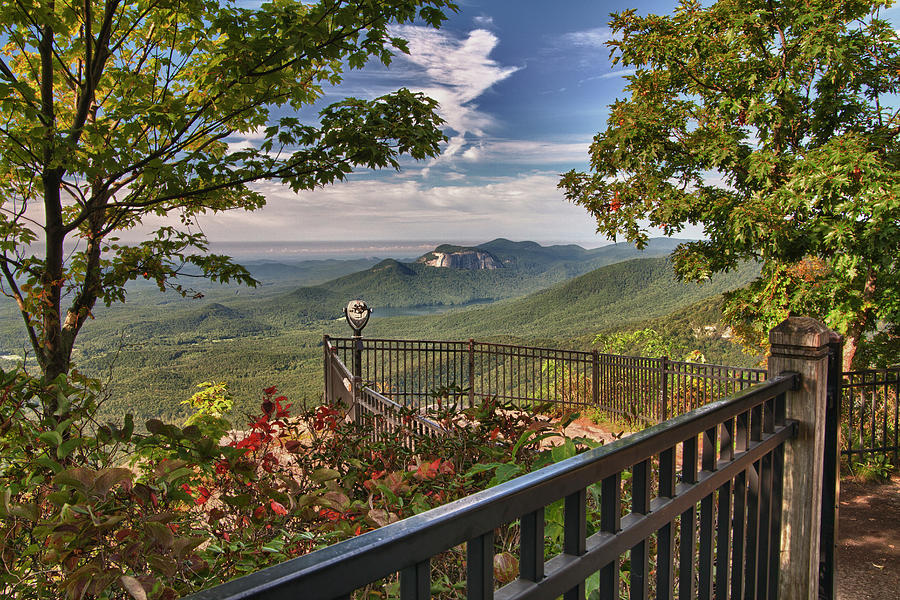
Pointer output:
x,y
528,267
631,291
155,348
156,357
305,272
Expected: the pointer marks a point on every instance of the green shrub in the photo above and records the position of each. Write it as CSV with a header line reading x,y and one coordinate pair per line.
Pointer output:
x,y
92,510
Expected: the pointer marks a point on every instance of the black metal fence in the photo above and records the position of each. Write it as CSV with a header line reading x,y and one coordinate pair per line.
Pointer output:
x,y
636,389
870,413
709,525
383,415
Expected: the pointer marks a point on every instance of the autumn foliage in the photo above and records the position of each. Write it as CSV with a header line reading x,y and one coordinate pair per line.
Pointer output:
x,y
94,510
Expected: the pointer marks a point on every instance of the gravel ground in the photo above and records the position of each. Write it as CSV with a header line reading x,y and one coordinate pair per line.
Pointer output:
x,y
868,553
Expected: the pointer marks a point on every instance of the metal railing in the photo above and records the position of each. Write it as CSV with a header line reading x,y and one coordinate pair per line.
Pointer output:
x,y
870,412
636,389
709,525
381,414
386,417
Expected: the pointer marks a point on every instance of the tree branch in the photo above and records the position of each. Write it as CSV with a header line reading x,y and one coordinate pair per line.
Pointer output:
x,y
23,309
93,70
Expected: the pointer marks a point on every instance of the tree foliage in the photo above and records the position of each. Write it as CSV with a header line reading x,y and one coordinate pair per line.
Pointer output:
x,y
113,111
774,125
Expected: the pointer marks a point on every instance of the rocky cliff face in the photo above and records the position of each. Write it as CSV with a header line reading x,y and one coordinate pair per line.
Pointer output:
x,y
461,258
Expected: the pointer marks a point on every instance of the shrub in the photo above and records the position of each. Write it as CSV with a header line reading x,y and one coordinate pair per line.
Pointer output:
x,y
93,510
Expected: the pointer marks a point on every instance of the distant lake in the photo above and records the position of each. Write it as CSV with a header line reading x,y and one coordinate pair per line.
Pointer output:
x,y
419,311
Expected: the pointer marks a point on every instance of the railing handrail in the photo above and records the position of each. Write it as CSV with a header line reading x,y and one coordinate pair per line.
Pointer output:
x,y
878,371
581,353
428,423
344,567
341,367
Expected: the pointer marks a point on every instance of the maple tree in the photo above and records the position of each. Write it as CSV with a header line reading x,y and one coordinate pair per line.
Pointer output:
x,y
774,126
112,111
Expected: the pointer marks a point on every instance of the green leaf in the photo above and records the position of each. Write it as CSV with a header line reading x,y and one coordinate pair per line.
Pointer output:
x,y
66,447
51,438
504,473
324,474
49,463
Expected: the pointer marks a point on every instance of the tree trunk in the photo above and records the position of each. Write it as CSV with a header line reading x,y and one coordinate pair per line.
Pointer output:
x,y
91,287
55,355
51,354
857,328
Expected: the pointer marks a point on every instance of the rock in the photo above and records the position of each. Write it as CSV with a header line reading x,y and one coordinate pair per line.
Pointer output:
x,y
457,257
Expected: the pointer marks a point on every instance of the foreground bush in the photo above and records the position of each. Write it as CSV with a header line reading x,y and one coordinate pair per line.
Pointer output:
x,y
93,510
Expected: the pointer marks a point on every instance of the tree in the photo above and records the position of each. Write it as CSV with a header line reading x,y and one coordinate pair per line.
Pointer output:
x,y
114,110
774,125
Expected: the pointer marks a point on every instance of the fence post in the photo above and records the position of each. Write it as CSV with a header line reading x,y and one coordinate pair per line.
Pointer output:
x,y
471,372
800,344
831,484
326,370
664,389
357,356
595,378
356,390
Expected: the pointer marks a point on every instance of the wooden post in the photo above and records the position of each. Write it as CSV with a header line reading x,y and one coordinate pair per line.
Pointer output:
x,y
800,344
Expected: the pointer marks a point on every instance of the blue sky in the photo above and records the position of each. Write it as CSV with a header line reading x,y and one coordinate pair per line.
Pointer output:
x,y
523,85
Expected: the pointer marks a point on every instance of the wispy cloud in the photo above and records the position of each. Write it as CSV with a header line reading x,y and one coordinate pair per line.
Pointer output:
x,y
609,75
529,151
583,50
588,38
525,207
456,72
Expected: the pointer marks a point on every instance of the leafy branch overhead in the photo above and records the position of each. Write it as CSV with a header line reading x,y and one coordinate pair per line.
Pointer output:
x,y
114,111
774,126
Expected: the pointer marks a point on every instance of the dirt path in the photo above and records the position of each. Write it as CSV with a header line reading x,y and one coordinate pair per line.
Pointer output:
x,y
584,427
868,553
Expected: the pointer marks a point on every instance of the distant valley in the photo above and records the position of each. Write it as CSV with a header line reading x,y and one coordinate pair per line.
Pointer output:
x,y
156,347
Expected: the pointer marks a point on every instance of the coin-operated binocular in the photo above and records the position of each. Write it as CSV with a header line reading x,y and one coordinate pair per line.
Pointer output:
x,y
357,314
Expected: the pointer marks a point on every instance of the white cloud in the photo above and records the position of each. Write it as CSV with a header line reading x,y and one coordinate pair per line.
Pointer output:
x,y
525,207
534,152
473,153
456,72
609,75
484,21
588,38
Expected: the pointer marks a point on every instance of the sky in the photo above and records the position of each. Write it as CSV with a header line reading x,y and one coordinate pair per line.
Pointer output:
x,y
523,86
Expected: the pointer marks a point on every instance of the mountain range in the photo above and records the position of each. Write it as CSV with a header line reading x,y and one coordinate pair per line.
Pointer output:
x,y
155,348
